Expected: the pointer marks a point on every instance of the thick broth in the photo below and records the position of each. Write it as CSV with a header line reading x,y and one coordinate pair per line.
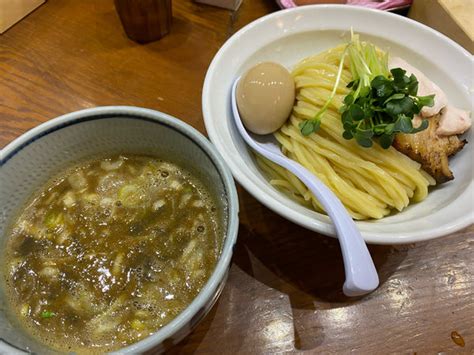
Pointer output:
x,y
111,252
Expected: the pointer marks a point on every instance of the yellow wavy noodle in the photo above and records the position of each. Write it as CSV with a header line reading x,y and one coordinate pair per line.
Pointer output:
x,y
370,182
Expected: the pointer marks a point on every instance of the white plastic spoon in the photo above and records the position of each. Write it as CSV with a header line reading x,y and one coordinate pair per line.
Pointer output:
x,y
361,275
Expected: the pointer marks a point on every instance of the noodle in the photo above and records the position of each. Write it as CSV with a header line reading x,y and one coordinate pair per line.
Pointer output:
x,y
370,182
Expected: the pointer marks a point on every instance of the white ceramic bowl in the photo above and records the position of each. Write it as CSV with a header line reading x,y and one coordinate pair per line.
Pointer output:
x,y
33,158
290,35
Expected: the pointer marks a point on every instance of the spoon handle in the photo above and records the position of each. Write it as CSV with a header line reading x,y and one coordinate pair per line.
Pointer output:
x,y
361,275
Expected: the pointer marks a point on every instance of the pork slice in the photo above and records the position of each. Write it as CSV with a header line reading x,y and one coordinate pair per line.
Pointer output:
x,y
430,150
425,86
453,121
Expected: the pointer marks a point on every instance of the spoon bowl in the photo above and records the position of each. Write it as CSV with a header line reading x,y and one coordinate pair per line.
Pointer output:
x,y
361,275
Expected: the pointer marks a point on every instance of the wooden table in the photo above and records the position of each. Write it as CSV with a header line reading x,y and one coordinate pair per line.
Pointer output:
x,y
284,289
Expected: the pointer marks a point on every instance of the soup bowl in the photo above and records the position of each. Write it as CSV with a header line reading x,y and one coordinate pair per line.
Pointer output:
x,y
35,157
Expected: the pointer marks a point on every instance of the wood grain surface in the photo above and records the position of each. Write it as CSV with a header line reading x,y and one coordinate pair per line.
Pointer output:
x,y
284,289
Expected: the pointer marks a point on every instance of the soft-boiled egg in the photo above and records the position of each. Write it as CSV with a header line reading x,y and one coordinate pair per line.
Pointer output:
x,y
265,97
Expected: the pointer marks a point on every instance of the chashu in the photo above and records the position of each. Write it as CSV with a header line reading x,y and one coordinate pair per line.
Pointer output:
x,y
430,150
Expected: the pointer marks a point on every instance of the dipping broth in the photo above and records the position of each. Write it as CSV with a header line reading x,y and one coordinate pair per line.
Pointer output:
x,y
110,252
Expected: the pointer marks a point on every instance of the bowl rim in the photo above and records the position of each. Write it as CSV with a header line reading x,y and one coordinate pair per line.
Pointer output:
x,y
211,288
324,225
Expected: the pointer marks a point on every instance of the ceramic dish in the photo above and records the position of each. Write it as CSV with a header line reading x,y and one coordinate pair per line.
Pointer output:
x,y
288,36
29,161
389,5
